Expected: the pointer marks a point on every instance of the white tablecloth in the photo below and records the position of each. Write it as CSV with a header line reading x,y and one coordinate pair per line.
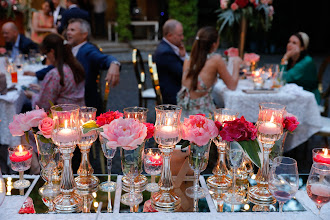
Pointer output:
x,y
12,204
12,102
297,101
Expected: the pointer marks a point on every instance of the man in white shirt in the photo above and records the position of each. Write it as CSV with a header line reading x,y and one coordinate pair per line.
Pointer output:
x,y
57,14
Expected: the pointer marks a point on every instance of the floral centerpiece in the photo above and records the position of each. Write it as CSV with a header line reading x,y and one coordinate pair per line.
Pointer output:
x,y
9,7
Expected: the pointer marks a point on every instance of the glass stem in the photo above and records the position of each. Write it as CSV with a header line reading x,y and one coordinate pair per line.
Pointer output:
x,y
21,175
109,164
234,180
68,184
165,182
131,188
109,208
196,182
152,178
281,206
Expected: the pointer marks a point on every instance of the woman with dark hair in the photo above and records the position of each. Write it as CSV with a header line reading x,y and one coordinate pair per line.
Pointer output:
x,y
43,22
65,83
200,73
298,66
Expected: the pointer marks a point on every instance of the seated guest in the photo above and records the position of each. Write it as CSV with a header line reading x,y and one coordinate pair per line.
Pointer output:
x,y
298,66
169,57
73,11
15,42
93,60
43,22
200,73
64,84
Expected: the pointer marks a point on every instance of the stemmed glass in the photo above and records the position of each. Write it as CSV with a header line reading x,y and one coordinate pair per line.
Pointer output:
x,y
20,159
86,180
109,153
318,184
2,188
153,162
283,179
235,157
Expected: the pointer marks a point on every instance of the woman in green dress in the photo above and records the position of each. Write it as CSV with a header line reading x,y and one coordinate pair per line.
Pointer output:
x,y
299,67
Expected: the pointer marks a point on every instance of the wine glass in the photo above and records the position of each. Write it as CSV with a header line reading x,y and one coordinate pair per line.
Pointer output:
x,y
153,162
109,153
283,179
318,184
2,188
235,157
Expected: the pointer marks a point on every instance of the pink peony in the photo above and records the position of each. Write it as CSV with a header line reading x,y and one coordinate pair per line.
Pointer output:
x,y
32,118
238,130
127,133
108,117
46,126
150,130
199,130
232,52
234,6
17,127
251,57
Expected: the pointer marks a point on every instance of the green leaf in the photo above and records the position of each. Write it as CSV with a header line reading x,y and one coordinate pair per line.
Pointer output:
x,y
251,148
86,130
27,136
44,140
185,144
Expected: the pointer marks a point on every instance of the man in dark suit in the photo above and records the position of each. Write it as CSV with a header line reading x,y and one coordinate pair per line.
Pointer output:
x,y
92,59
15,42
57,13
169,57
73,11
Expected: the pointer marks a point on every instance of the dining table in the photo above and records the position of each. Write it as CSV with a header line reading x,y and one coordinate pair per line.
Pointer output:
x,y
12,102
299,102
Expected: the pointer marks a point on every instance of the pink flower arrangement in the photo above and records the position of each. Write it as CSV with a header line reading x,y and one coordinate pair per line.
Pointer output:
x,y
46,126
108,117
199,130
150,130
2,50
290,122
231,52
238,130
251,57
127,133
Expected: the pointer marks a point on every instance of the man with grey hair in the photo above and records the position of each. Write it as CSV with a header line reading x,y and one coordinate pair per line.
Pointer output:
x,y
169,57
92,59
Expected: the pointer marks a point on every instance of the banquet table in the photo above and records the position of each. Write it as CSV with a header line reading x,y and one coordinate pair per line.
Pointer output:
x,y
12,102
11,205
299,102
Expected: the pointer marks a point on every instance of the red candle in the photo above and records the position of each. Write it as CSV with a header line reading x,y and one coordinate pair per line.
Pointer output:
x,y
20,155
156,160
322,157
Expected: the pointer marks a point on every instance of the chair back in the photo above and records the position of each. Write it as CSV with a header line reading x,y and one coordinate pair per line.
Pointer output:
x,y
103,89
155,80
139,72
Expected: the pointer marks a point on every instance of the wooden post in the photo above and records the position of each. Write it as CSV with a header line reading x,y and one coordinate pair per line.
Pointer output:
x,y
242,36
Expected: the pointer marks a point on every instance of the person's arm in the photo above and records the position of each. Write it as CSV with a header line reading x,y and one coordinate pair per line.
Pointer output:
x,y
231,81
39,74
297,71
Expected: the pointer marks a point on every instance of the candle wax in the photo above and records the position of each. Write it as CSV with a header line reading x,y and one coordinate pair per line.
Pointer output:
x,y
167,132
67,135
269,128
322,158
20,156
156,160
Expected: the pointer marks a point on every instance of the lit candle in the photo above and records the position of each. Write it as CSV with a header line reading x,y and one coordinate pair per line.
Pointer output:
x,y
134,56
269,128
322,157
67,134
20,155
156,160
167,132
154,70
149,60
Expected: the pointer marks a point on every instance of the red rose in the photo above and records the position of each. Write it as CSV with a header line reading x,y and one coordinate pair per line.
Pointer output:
x,y
108,117
150,130
218,124
238,130
290,123
242,3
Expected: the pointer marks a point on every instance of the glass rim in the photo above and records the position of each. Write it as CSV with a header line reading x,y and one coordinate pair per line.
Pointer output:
x,y
74,106
319,148
162,107
280,106
28,146
314,165
285,163
227,109
86,107
138,108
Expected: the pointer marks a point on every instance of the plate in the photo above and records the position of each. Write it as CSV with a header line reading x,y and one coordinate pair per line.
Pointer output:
x,y
259,91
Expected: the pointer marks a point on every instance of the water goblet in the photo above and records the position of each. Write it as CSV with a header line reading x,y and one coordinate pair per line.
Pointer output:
x,y
235,157
109,153
153,162
283,179
20,159
318,184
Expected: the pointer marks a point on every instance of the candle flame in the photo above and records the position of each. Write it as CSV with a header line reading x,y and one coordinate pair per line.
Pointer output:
x,y
325,150
272,119
20,148
65,124
157,156
257,73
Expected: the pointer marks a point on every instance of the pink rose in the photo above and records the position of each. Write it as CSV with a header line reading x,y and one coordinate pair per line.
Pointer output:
x,y
108,117
223,4
32,118
234,6
251,57
290,122
232,52
238,130
218,124
150,130
199,130
2,50
127,133
46,127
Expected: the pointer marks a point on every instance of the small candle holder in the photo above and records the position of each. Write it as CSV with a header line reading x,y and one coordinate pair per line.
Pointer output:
x,y
220,179
270,129
167,135
258,80
321,155
20,159
138,113
86,180
66,134
153,163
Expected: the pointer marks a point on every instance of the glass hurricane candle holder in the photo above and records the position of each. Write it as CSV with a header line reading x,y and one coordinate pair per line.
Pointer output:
x,y
153,163
86,180
167,135
66,134
139,113
321,155
270,129
20,159
220,171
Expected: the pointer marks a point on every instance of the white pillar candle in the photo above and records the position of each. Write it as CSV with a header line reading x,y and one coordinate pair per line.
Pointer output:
x,y
269,128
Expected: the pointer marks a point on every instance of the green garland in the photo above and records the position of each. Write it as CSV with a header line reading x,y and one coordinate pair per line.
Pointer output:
x,y
123,20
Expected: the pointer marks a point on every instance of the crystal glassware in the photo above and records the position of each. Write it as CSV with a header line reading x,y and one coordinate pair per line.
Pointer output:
x,y
109,153
198,159
86,180
235,157
270,129
66,134
20,159
283,179
138,113
318,184
131,164
2,188
153,163
167,135
321,155
220,179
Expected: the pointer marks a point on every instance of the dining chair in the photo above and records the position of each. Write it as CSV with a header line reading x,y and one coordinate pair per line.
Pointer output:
x,y
155,80
145,93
